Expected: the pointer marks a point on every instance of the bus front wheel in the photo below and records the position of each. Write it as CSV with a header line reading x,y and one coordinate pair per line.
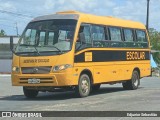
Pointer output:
x,y
30,93
133,83
84,86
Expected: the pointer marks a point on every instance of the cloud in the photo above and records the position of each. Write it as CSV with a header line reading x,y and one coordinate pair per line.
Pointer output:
x,y
49,4
132,11
7,5
127,9
86,6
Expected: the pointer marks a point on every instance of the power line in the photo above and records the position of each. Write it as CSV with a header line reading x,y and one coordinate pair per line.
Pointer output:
x,y
7,25
17,14
21,11
15,20
2,21
21,17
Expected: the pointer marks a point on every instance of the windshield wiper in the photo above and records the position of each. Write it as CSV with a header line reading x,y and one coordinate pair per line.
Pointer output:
x,y
56,48
32,46
36,50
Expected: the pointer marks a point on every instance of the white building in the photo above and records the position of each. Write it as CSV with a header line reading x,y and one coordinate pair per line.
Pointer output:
x,y
6,40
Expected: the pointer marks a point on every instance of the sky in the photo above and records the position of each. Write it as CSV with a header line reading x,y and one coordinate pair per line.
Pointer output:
x,y
28,9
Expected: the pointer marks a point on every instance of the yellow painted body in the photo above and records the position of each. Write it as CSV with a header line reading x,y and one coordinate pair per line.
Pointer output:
x,y
102,72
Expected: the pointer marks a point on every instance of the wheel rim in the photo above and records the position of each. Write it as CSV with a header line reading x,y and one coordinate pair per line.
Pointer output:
x,y
135,80
85,85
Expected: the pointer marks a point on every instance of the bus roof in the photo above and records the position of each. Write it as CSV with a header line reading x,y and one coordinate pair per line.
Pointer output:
x,y
94,19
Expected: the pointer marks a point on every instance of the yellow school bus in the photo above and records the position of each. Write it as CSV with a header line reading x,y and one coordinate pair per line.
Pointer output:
x,y
77,51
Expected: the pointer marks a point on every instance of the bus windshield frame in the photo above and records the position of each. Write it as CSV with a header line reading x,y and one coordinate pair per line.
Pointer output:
x,y
47,37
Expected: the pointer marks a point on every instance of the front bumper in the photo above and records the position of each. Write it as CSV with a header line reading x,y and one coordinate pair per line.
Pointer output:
x,y
52,79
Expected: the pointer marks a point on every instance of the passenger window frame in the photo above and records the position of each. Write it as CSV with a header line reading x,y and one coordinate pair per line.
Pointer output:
x,y
137,35
109,31
108,43
104,31
132,31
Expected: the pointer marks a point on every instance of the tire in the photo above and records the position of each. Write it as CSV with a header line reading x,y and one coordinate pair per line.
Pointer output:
x,y
134,83
30,93
84,86
96,87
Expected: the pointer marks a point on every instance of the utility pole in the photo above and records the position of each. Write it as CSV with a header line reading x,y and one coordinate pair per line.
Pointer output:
x,y
16,28
147,19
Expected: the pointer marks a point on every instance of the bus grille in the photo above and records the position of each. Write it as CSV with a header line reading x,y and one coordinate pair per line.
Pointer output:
x,y
36,70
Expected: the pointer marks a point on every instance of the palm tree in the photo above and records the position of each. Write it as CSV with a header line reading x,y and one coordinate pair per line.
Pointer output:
x,y
2,33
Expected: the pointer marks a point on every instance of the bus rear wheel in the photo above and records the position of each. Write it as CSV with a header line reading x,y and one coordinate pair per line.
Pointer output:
x,y
30,93
84,86
134,83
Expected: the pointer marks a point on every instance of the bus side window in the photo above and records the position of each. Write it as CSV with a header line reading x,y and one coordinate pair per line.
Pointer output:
x,y
141,39
87,34
84,37
98,35
115,36
128,37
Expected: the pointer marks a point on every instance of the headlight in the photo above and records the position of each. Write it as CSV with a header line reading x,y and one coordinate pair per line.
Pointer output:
x,y
61,67
15,69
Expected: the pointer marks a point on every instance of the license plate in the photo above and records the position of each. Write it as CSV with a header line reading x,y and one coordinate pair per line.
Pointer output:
x,y
33,81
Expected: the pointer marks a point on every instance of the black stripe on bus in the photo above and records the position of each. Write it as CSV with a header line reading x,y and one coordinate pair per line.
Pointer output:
x,y
110,55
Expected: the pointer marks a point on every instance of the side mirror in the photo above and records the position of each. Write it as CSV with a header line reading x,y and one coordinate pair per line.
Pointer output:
x,y
11,44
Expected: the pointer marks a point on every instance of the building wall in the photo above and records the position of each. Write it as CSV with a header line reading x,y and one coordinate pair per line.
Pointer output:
x,y
6,40
6,54
5,66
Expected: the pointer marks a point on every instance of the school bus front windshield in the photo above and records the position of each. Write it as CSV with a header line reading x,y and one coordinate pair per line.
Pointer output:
x,y
49,37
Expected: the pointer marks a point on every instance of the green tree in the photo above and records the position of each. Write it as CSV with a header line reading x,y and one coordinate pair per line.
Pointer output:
x,y
155,43
2,33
